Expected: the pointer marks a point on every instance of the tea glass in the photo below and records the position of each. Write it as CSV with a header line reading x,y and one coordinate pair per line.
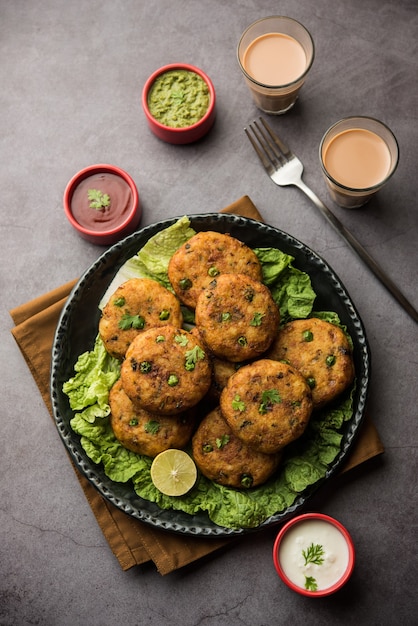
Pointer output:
x,y
276,99
358,155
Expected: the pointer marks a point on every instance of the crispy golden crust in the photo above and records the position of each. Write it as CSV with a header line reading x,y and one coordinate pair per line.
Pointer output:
x,y
166,371
237,317
321,352
138,304
267,404
144,432
206,255
225,459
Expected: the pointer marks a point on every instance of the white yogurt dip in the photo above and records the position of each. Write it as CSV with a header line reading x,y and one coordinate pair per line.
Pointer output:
x,y
314,554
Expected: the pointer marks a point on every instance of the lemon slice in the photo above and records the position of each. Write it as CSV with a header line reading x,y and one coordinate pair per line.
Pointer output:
x,y
173,472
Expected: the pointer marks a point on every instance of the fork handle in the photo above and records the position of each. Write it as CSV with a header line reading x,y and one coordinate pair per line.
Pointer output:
x,y
361,251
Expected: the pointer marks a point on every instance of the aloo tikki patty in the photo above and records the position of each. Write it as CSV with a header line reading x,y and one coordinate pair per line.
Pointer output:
x,y
321,352
143,432
237,317
222,370
136,305
166,371
227,460
267,405
207,255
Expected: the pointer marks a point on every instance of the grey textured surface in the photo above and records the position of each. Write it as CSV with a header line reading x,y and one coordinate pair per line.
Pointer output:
x,y
71,75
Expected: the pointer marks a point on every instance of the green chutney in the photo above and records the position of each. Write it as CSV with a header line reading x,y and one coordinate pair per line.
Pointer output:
x,y
178,98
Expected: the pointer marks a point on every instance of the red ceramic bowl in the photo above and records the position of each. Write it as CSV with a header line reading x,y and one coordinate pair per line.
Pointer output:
x,y
186,134
314,555
121,211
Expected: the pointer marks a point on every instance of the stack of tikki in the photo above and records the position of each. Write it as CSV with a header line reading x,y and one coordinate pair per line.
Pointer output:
x,y
255,383
165,371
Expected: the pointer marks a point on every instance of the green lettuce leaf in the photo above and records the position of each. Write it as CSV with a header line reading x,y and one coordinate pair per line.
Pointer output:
x,y
152,260
291,289
157,252
88,391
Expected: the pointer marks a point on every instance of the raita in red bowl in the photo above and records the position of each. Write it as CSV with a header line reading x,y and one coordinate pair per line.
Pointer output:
x,y
314,555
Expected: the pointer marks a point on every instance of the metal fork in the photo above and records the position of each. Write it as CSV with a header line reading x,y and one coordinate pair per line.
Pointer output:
x,y
284,168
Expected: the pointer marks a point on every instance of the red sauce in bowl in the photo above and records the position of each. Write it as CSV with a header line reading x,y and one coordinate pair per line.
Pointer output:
x,y
104,218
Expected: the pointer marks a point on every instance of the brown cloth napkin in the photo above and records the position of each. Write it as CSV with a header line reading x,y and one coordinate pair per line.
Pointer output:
x,y
134,542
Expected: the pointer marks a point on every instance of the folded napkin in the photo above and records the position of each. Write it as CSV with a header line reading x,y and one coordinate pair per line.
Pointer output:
x,y
134,542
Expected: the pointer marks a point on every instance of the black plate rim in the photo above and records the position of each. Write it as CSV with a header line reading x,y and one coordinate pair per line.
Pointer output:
x,y
119,495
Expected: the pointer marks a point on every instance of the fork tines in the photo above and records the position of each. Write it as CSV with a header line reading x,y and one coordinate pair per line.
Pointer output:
x,y
270,149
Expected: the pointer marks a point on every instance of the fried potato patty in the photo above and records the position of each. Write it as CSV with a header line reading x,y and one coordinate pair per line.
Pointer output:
x,y
143,432
226,459
222,371
321,352
205,256
237,317
138,304
166,370
267,404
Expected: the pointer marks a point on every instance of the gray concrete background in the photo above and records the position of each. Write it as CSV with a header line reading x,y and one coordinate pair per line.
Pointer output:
x,y
71,75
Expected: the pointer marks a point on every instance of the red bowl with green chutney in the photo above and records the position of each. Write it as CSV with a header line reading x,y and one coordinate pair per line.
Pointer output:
x,y
101,202
179,103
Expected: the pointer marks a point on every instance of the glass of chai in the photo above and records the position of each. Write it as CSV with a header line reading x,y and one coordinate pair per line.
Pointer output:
x,y
275,55
358,155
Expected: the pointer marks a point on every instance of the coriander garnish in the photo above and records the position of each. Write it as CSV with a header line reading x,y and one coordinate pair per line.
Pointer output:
x,y
97,199
192,357
131,321
222,441
238,404
310,583
182,340
268,398
314,554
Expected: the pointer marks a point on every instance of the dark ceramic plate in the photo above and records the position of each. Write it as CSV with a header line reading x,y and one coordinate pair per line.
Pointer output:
x,y
77,329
